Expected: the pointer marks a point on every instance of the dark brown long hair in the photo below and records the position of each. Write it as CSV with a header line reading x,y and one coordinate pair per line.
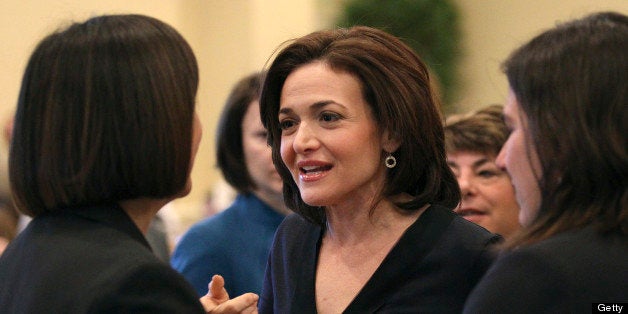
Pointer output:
x,y
571,83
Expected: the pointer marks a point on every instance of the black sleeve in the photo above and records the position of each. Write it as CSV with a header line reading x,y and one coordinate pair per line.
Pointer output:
x,y
520,283
149,289
265,304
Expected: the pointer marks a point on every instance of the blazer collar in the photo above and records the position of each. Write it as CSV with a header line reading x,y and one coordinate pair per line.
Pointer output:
x,y
115,217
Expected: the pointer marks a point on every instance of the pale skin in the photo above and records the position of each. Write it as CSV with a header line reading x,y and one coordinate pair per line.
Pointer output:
x,y
217,299
352,249
519,158
143,210
3,244
334,150
259,161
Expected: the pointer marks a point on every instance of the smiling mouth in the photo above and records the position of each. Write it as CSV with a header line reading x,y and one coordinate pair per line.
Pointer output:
x,y
313,169
470,214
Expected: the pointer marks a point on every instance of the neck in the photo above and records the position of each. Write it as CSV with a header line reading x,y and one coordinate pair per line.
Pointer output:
x,y
275,201
143,210
356,224
351,225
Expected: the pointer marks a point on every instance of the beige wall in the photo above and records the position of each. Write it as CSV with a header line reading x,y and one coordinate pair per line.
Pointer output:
x,y
234,37
230,38
493,28
24,22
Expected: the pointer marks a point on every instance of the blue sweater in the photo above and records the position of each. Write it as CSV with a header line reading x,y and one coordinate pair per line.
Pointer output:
x,y
233,243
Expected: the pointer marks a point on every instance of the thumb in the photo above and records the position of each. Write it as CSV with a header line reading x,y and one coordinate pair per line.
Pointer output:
x,y
217,289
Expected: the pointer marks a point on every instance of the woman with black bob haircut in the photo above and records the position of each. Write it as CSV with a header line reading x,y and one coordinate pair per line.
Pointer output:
x,y
568,162
357,138
105,134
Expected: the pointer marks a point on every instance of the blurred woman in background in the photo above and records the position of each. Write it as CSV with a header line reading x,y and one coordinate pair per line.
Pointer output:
x,y
472,142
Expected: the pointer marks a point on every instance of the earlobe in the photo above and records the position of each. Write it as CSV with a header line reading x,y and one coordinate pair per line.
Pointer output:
x,y
390,144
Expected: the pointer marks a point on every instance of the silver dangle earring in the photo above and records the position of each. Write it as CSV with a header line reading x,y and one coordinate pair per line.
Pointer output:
x,y
390,161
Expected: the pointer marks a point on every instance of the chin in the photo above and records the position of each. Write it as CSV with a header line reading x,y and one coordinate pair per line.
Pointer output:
x,y
525,219
312,202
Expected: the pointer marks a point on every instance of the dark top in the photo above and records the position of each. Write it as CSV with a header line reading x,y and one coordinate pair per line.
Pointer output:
x,y
431,269
233,243
89,260
564,274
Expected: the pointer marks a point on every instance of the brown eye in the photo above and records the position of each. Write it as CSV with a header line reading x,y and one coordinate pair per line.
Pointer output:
x,y
286,124
329,117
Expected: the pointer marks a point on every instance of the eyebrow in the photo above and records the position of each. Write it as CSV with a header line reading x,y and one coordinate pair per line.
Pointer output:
x,y
481,162
476,164
313,107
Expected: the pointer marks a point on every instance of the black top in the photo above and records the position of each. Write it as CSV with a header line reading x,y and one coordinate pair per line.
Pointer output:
x,y
89,260
564,274
431,269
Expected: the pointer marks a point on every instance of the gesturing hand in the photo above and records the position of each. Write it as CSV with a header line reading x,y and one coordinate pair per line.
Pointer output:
x,y
217,301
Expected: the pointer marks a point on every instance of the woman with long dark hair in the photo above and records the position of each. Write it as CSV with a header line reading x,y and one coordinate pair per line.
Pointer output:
x,y
568,160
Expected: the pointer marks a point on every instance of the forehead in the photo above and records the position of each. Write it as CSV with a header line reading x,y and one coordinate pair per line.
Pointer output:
x,y
252,110
316,81
515,117
511,109
251,118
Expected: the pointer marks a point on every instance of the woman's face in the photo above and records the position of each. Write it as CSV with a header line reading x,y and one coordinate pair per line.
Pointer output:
x,y
519,158
488,197
330,141
258,156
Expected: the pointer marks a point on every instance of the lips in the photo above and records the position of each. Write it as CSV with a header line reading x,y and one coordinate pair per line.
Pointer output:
x,y
471,214
312,170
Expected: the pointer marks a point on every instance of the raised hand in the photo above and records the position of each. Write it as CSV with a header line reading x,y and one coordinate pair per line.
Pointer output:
x,y
217,301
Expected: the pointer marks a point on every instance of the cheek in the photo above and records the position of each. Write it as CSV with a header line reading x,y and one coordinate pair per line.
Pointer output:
x,y
197,134
503,192
286,151
266,155
249,148
512,152
261,155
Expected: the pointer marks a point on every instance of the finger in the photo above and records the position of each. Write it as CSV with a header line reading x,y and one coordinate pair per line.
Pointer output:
x,y
246,303
217,289
208,303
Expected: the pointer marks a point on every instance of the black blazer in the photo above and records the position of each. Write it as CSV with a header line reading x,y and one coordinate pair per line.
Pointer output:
x,y
89,260
566,273
431,269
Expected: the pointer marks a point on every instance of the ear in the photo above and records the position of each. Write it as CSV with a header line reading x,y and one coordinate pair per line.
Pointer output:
x,y
390,144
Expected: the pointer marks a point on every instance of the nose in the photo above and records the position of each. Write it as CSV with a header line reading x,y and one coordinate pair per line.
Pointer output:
x,y
305,139
500,160
466,185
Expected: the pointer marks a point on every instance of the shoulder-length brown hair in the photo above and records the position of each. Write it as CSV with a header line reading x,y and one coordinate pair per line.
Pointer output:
x,y
571,83
229,146
396,86
105,114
